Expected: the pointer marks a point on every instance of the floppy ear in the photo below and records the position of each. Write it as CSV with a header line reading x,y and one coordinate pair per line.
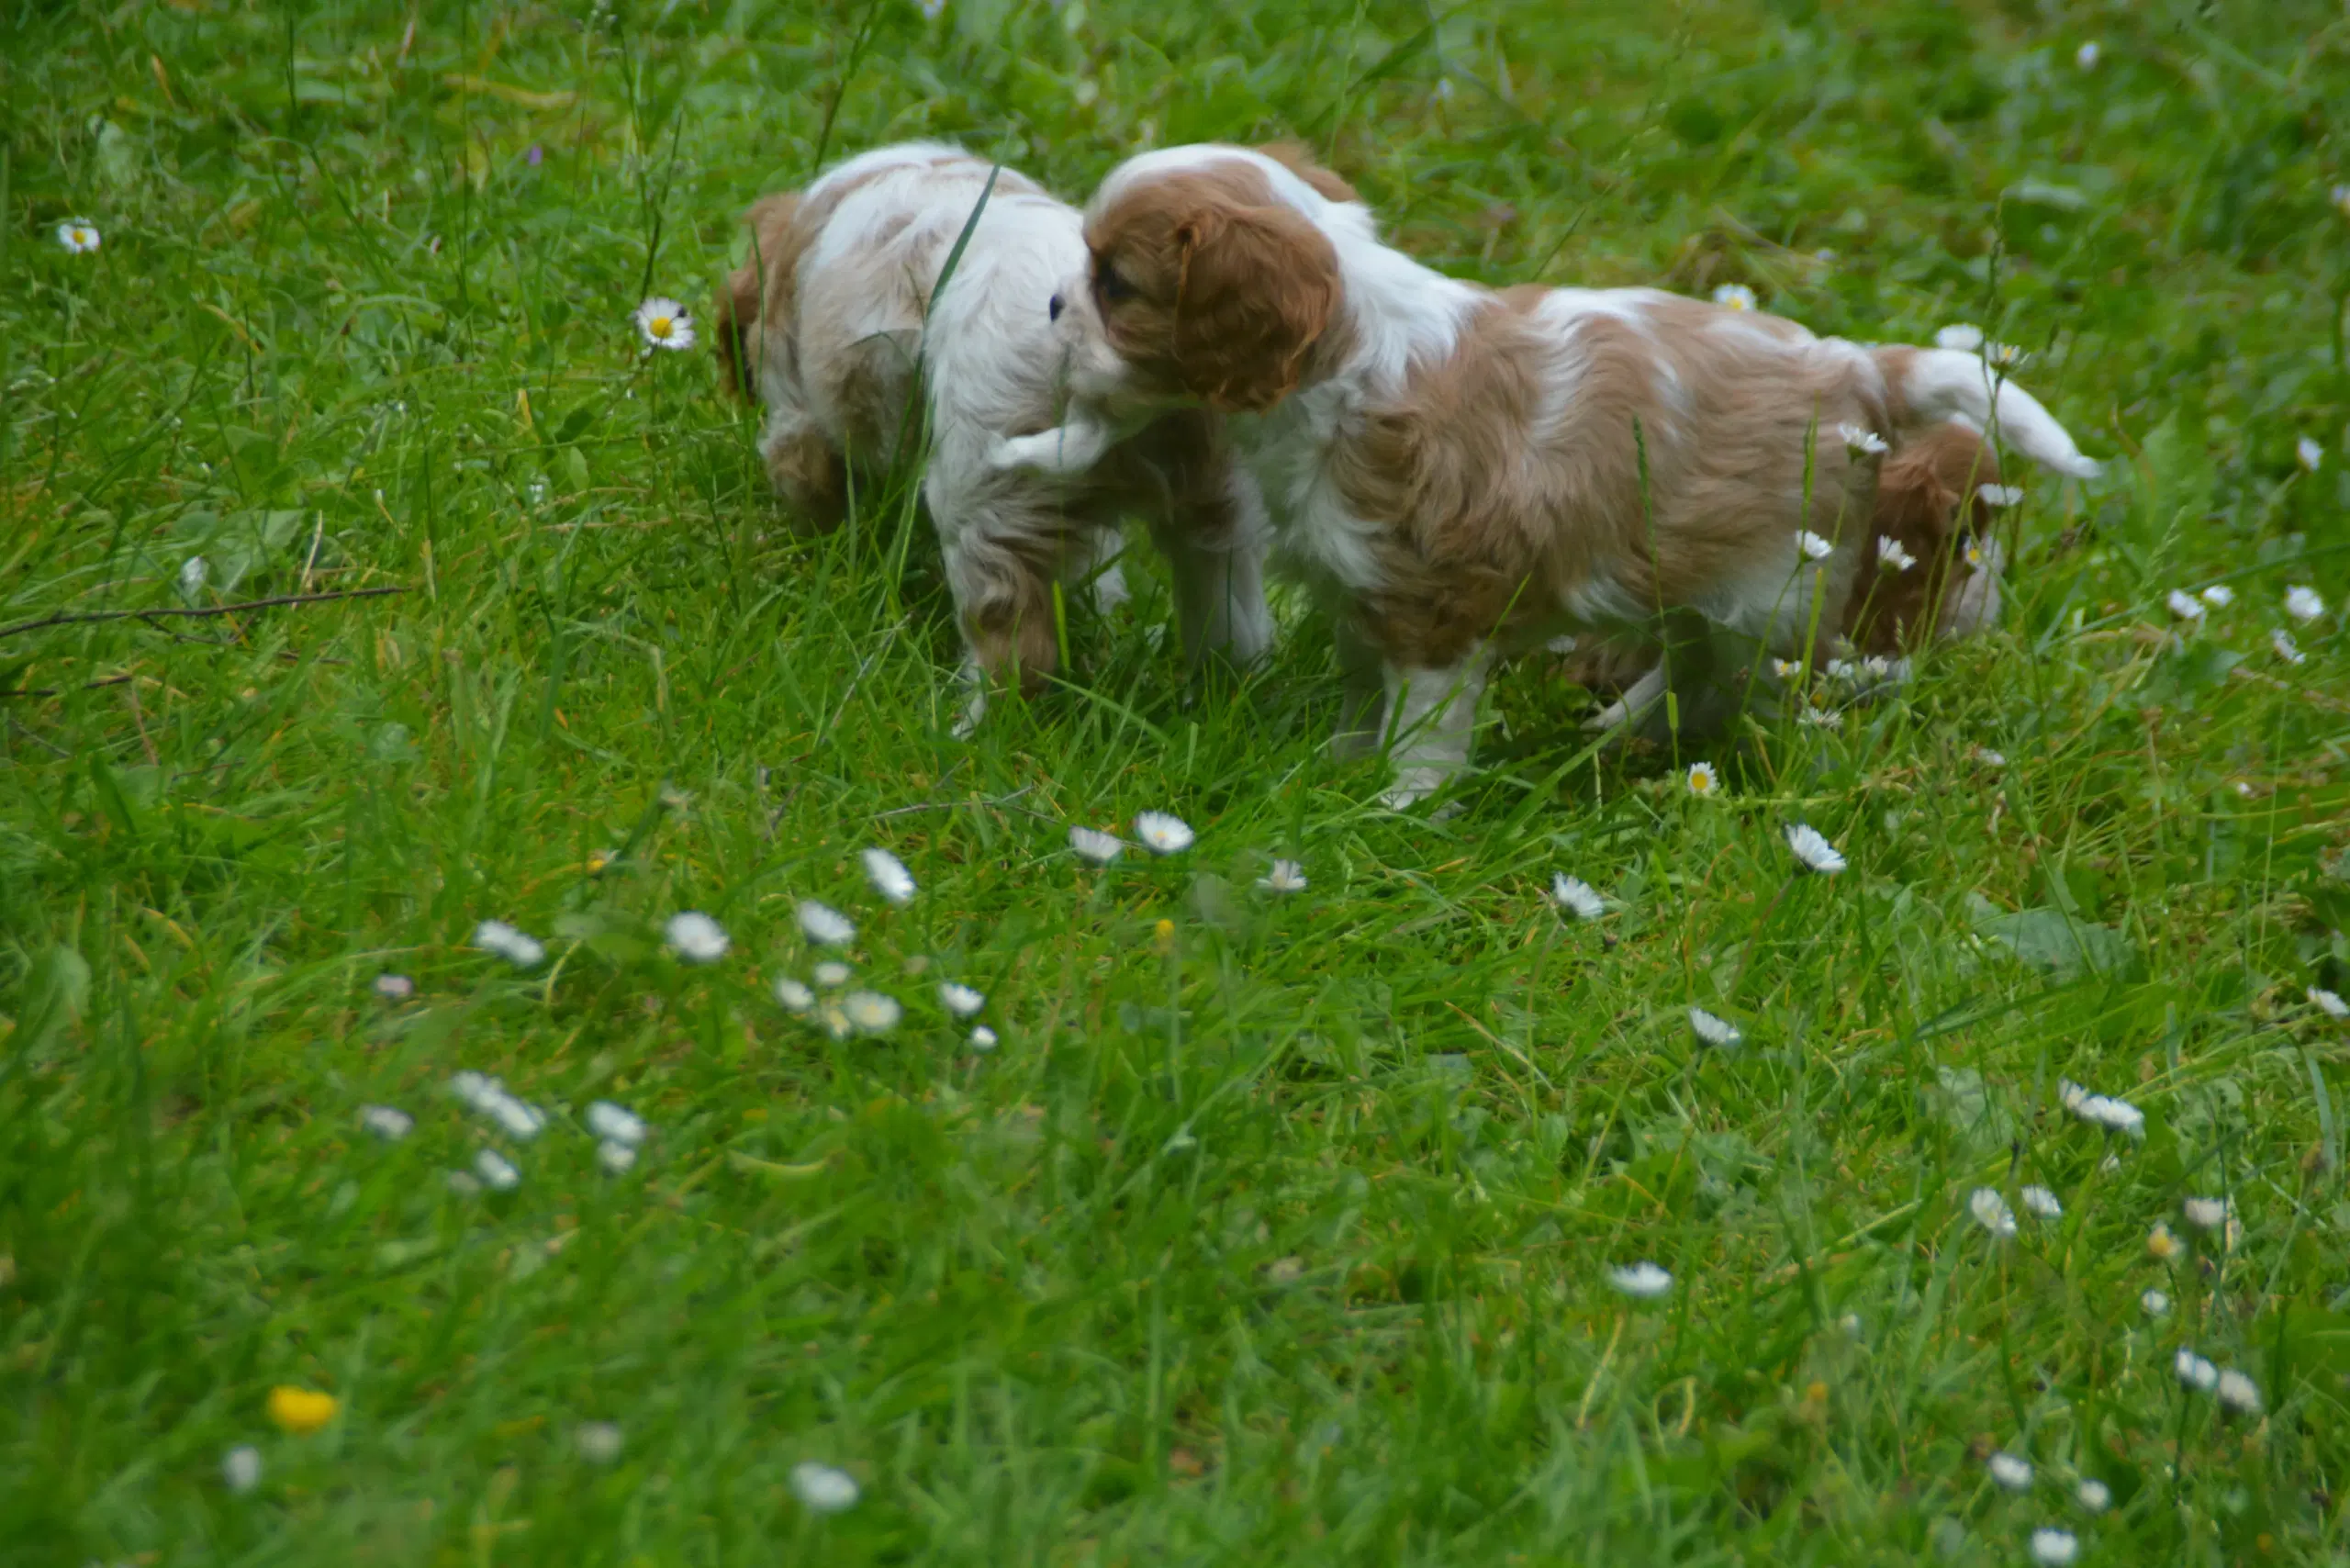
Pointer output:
x,y
1298,158
1257,289
776,244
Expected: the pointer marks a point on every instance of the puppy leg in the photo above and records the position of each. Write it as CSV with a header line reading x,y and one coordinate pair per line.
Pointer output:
x,y
1065,450
1362,706
1435,718
1214,540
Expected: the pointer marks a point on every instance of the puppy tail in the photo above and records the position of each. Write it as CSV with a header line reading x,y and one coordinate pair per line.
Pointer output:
x,y
736,310
1937,385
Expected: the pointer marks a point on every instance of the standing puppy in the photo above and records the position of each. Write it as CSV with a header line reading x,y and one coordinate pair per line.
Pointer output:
x,y
1458,467
847,325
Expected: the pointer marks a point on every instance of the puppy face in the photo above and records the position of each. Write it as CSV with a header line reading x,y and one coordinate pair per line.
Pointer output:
x,y
1205,287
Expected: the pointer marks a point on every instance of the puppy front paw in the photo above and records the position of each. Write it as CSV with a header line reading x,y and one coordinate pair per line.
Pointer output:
x,y
1065,450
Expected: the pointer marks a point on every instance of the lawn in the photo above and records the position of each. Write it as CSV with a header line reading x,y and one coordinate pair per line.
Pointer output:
x,y
1276,1226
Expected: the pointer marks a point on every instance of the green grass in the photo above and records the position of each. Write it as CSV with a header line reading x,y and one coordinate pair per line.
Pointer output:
x,y
1277,1228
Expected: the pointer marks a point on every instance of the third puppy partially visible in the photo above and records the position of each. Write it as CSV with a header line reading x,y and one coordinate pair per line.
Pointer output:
x,y
847,325
1462,471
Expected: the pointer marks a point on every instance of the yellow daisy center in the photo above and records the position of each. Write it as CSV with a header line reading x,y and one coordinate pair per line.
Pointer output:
x,y
658,326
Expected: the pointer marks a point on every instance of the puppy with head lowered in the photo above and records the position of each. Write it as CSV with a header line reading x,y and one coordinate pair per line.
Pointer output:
x,y
1463,471
846,324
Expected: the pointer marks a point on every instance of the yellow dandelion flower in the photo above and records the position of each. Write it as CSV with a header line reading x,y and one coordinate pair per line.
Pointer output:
x,y
301,1411
1162,936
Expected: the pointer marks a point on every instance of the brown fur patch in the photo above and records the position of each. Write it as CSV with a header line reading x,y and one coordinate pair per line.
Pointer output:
x,y
1298,158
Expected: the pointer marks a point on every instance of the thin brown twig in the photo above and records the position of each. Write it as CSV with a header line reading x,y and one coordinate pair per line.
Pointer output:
x,y
54,690
71,618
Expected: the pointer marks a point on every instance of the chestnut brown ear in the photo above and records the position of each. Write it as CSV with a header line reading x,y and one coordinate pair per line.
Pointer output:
x,y
1256,290
1298,158
742,298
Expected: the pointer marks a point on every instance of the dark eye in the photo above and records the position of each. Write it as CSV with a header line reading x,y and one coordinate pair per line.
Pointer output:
x,y
1110,286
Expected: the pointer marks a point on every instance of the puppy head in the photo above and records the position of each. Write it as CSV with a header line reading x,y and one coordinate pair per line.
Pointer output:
x,y
1929,502
1206,286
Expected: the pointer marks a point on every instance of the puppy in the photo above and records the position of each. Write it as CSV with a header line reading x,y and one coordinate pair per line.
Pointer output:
x,y
1463,471
847,325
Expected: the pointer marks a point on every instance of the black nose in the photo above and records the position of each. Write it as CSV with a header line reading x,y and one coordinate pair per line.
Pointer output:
x,y
1054,307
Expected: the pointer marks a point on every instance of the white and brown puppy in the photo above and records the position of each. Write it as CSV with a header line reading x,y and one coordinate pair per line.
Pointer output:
x,y
1464,471
838,324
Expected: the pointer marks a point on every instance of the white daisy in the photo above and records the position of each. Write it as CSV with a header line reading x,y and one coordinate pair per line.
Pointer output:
x,y
497,1171
2219,596
386,1122
598,1442
1811,847
665,324
1701,779
2285,648
2160,1245
517,947
1819,718
1861,442
822,1489
1787,669
615,1156
2086,57
2154,1303
2205,1214
1844,670
2310,454
2185,605
960,1000
1577,897
78,235
1991,1211
1092,844
2329,1003
615,1124
2238,1392
834,1021
2194,1371
240,1468
825,926
193,572
2114,1115
1719,1032
832,974
889,876
1980,554
521,1120
983,1038
1998,497
871,1012
2095,1495
393,987
2042,1202
794,995
1990,758
1891,553
2003,356
1961,336
1645,1281
1163,832
697,938
2051,1547
2010,1471
2303,603
1735,297
1286,877
1813,546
